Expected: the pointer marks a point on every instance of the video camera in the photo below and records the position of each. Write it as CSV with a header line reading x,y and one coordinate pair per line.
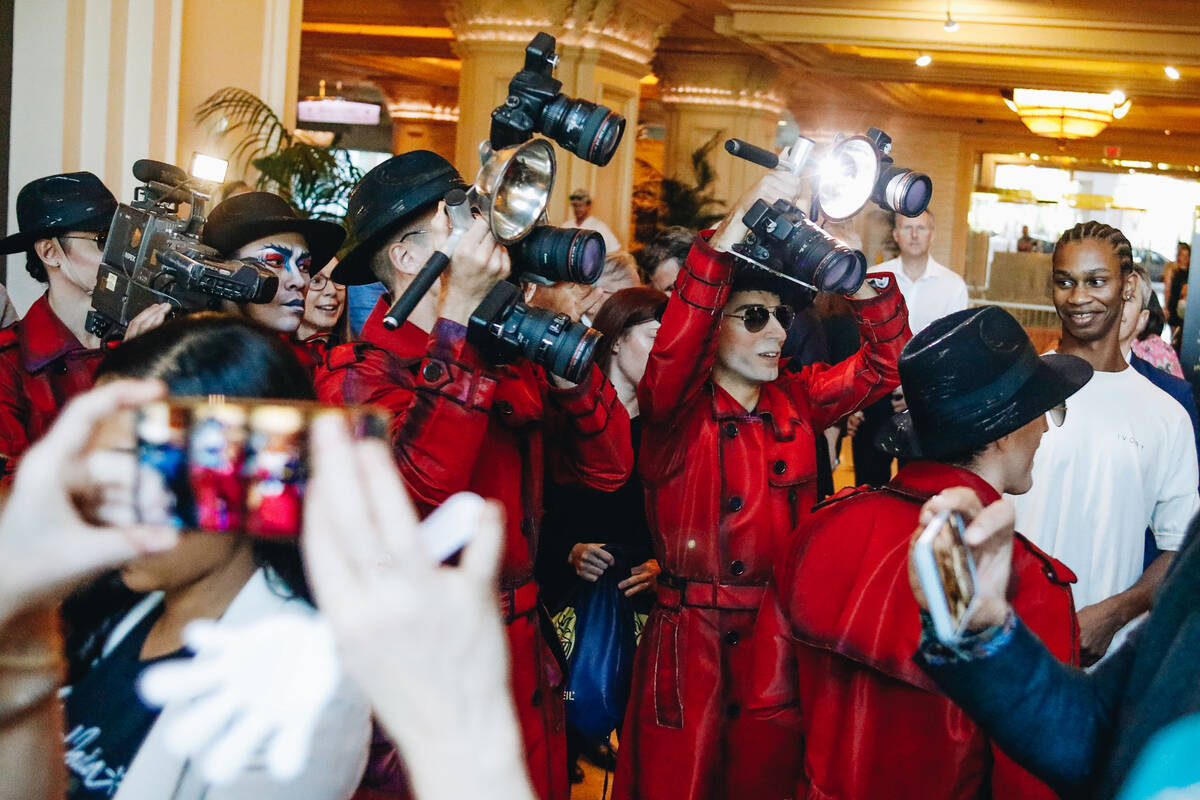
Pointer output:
x,y
155,256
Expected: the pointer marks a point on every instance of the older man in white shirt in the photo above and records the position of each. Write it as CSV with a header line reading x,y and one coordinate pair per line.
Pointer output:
x,y
930,291
581,217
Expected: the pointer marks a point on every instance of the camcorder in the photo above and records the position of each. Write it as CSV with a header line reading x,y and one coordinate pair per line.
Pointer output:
x,y
512,191
154,256
782,239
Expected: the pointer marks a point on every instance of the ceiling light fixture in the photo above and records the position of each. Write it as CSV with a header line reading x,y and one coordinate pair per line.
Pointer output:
x,y
1066,115
924,60
951,24
1172,73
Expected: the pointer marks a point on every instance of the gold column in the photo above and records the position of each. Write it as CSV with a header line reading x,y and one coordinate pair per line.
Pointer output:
x,y
705,95
605,49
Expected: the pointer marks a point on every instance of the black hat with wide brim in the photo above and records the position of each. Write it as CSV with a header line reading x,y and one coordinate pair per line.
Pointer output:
x,y
970,378
247,217
383,200
46,207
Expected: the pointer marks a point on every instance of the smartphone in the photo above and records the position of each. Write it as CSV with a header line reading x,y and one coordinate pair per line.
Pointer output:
x,y
946,571
231,465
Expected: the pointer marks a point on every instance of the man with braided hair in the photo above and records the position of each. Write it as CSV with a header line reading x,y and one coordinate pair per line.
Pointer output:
x,y
1122,461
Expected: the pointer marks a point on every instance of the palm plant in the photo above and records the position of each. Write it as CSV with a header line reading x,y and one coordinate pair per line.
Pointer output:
x,y
316,180
660,202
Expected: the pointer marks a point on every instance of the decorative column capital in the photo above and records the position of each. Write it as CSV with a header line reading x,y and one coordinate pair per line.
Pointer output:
x,y
730,81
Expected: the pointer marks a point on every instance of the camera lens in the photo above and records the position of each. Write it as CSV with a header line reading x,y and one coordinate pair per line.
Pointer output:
x,y
822,261
903,191
560,254
590,131
504,328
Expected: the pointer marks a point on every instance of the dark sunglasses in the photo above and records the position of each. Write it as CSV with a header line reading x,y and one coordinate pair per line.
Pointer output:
x,y
755,317
100,238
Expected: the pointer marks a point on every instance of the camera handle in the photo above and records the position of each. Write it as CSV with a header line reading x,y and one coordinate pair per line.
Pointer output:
x,y
434,267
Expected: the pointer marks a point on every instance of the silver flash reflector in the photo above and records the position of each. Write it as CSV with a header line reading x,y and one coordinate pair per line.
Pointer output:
x,y
847,177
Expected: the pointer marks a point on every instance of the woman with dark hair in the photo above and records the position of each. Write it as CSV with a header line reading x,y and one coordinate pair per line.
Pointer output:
x,y
326,322
113,740
586,532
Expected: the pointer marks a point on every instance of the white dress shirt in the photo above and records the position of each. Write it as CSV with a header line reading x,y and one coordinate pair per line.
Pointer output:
x,y
611,243
938,292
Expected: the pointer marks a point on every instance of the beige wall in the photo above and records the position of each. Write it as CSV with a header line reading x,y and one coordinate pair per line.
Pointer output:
x,y
98,84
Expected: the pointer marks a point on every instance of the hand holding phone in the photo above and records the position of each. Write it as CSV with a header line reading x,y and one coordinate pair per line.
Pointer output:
x,y
946,571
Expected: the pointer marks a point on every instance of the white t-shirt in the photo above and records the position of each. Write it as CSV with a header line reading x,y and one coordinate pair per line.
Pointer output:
x,y
1124,460
938,292
611,243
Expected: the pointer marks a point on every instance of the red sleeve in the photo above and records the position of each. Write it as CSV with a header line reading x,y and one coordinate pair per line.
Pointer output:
x,y
14,413
683,354
440,404
833,392
773,693
589,442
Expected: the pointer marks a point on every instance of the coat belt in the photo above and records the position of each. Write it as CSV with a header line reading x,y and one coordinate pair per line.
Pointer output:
x,y
675,592
519,601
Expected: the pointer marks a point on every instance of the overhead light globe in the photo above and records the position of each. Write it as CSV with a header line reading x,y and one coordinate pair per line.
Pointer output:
x,y
951,24
846,177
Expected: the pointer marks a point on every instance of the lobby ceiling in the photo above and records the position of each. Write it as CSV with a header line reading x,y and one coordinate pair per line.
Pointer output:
x,y
836,55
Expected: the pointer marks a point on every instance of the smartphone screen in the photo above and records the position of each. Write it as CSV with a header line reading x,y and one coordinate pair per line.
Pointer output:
x,y
946,571
226,465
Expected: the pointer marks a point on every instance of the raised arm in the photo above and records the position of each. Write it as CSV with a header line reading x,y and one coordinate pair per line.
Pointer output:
x,y
836,391
588,440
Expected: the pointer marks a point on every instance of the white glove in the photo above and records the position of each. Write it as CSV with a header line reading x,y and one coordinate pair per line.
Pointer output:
x,y
249,687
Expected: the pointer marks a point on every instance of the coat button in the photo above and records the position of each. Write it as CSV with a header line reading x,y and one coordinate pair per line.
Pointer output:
x,y
537,697
731,430
735,503
779,467
793,495
733,710
732,638
504,407
737,568
61,368
432,371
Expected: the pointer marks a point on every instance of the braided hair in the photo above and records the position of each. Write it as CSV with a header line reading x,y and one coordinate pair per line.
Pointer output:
x,y
1101,232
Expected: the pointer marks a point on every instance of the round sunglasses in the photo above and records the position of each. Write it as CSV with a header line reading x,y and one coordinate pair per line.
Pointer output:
x,y
755,317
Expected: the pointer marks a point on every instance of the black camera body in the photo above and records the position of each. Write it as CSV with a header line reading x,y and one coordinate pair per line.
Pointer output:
x,y
535,105
782,238
153,256
504,329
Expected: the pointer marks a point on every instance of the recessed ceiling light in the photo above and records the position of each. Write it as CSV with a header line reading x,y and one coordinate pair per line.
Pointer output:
x,y
1172,73
924,60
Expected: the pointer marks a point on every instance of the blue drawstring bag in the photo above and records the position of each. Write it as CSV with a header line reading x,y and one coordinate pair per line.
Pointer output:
x,y
600,666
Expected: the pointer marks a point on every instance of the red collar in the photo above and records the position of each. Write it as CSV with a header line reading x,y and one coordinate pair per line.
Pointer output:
x,y
44,338
407,340
924,479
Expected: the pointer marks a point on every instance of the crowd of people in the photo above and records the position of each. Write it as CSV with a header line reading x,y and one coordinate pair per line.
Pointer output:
x,y
788,649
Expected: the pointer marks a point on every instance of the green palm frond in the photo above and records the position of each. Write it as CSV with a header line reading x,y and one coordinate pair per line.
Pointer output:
x,y
238,113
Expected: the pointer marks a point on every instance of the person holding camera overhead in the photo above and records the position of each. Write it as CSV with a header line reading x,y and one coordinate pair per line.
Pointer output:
x,y
464,424
728,460
262,225
836,633
49,356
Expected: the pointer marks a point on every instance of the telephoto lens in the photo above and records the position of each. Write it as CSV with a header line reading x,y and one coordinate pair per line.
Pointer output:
x,y
590,131
560,254
902,190
504,329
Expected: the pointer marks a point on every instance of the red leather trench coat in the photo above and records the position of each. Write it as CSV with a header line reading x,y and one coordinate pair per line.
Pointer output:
x,y
725,488
461,425
834,645
42,366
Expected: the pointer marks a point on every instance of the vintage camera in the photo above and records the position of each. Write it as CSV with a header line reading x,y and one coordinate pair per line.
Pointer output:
x,y
559,254
535,105
154,256
781,238
504,328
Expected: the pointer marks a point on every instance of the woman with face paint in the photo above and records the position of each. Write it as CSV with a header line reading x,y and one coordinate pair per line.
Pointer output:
x,y
262,226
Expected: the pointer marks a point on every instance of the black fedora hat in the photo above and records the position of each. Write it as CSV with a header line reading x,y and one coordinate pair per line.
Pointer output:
x,y
75,201
246,217
385,197
972,377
